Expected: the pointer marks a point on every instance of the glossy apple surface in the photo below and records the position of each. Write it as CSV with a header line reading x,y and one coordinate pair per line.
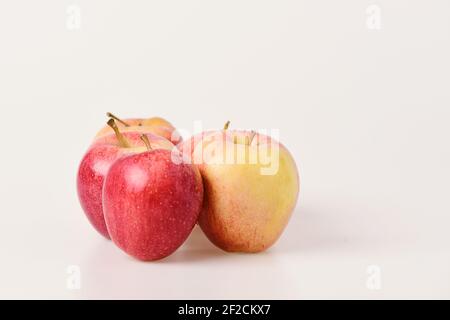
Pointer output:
x,y
155,125
95,165
151,204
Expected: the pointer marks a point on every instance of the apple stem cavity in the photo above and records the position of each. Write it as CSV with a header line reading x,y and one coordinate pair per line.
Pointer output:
x,y
146,141
110,115
123,142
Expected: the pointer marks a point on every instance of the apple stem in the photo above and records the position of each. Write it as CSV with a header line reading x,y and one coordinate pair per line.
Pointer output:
x,y
249,139
146,141
227,124
110,115
122,140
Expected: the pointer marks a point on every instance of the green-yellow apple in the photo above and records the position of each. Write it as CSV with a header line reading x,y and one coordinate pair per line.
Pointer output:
x,y
251,186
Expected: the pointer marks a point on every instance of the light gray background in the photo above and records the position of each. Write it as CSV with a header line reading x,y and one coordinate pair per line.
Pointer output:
x,y
365,113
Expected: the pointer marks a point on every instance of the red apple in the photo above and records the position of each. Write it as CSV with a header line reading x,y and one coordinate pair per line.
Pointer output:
x,y
96,163
151,204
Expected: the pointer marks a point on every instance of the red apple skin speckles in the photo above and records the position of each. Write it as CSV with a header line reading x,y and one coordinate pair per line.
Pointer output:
x,y
151,204
91,173
95,165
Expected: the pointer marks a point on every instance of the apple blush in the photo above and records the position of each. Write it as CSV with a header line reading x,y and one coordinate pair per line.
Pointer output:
x,y
249,200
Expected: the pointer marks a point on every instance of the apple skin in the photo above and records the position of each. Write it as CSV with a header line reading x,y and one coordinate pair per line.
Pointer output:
x,y
134,137
95,165
187,147
151,204
155,125
243,210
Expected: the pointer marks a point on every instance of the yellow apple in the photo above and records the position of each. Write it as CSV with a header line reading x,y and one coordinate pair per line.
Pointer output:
x,y
251,187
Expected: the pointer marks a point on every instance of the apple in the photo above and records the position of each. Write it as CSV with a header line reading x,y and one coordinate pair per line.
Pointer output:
x,y
151,204
96,163
187,147
251,187
155,125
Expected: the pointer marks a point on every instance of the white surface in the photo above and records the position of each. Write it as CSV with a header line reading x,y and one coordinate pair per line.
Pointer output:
x,y
364,112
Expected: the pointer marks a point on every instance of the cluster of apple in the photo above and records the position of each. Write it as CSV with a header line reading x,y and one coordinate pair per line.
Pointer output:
x,y
143,187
